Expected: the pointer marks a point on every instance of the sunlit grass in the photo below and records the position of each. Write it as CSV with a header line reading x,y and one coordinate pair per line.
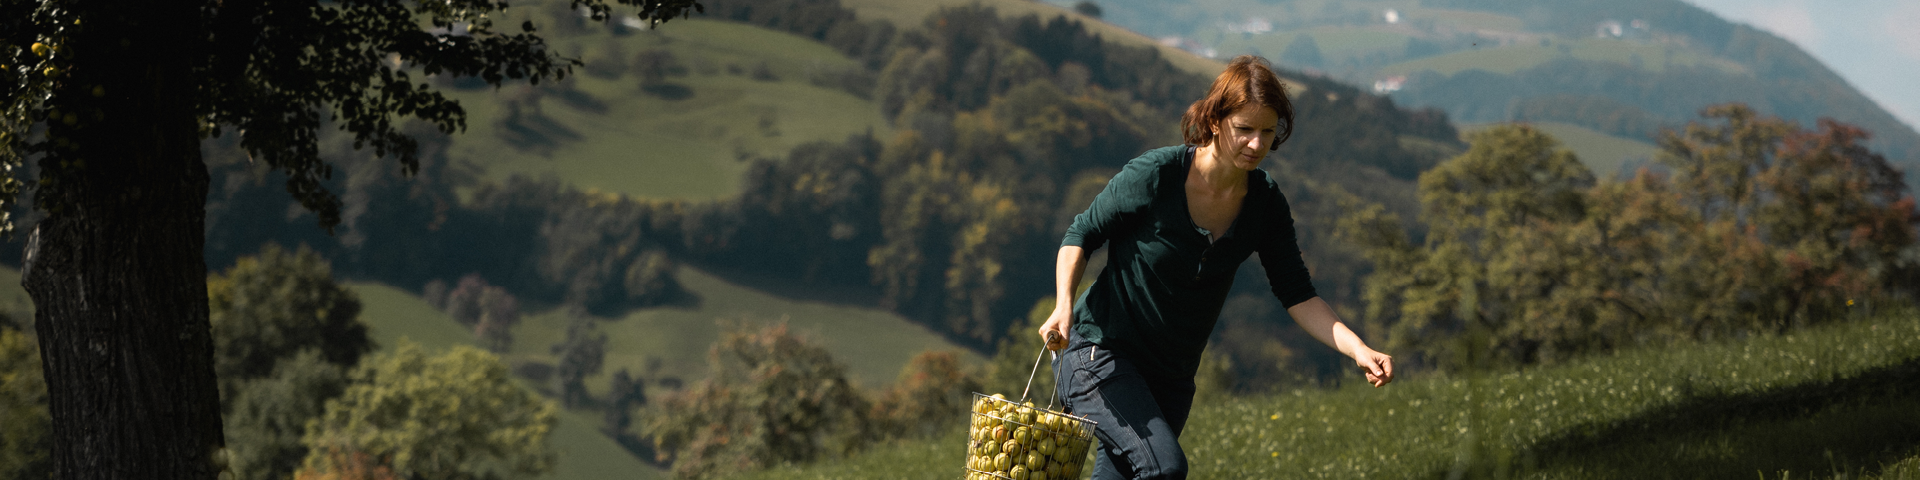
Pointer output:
x,y
1603,153
647,146
872,343
913,13
1333,42
1466,19
1653,57
1836,399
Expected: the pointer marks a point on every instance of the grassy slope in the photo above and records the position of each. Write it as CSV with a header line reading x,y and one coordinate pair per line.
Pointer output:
x,y
873,343
1829,400
1333,42
910,13
584,453
1605,154
1654,57
646,146
13,296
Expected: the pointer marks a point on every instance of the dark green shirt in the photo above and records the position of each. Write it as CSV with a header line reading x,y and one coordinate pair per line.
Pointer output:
x,y
1161,292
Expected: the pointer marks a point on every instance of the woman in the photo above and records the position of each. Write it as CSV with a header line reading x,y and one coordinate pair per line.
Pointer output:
x,y
1177,223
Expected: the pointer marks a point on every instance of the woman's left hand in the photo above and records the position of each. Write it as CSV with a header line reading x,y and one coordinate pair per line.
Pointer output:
x,y
1378,366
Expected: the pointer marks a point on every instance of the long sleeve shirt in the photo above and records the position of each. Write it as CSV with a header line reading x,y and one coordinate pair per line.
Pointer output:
x,y
1165,280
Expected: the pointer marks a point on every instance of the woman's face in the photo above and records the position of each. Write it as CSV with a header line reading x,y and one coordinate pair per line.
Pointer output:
x,y
1245,137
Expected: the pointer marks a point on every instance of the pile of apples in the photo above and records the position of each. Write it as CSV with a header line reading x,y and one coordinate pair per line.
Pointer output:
x,y
1021,442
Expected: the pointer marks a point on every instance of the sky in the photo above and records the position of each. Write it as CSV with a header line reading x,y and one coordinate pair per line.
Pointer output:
x,y
1874,44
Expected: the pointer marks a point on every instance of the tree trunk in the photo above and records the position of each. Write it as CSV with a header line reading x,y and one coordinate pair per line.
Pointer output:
x,y
116,270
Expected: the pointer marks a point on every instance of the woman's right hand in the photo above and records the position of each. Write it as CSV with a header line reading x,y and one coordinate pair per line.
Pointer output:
x,y
1054,332
1072,262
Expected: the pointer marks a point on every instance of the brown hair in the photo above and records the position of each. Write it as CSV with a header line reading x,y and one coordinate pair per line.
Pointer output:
x,y
1248,79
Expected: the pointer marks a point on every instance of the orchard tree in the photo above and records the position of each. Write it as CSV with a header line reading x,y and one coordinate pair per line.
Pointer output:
x,y
773,398
270,307
110,100
285,336
455,415
581,354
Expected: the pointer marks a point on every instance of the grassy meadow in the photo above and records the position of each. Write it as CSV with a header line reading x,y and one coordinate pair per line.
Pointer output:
x,y
608,134
1607,155
394,314
1653,57
873,343
1832,401
1333,42
913,13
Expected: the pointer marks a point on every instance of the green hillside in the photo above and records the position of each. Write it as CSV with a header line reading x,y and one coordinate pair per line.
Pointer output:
x,y
1475,58
1605,154
873,344
1652,57
912,13
1834,401
606,133
584,452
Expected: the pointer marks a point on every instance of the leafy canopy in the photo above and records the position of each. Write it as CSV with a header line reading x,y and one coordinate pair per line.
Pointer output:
x,y
773,398
453,415
1761,226
270,307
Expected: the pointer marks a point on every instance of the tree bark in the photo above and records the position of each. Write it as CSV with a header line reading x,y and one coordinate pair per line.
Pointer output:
x,y
116,270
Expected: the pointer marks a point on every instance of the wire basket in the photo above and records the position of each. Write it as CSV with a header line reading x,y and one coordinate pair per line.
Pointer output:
x,y
1015,440
1018,441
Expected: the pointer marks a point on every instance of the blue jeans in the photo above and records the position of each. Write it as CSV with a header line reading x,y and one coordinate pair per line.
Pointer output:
x,y
1138,418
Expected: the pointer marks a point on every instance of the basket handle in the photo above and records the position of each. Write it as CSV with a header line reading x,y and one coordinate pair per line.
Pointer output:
x,y
1036,370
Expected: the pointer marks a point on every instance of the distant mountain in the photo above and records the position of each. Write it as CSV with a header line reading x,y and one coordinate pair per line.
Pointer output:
x,y
1622,67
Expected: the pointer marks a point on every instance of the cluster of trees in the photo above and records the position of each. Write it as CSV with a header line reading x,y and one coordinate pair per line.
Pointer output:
x,y
1754,225
407,414
775,398
489,310
285,337
300,400
1594,111
300,396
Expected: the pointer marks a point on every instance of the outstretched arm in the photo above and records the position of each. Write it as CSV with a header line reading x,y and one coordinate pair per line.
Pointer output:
x,y
1318,319
1067,271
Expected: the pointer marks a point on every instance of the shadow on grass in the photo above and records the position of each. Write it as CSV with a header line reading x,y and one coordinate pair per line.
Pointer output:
x,y
668,91
1845,426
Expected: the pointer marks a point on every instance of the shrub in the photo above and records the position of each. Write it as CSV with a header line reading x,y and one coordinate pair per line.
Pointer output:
x,y
773,398
932,393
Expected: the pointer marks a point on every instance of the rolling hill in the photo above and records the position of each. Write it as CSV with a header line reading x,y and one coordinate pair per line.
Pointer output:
x,y
1479,59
